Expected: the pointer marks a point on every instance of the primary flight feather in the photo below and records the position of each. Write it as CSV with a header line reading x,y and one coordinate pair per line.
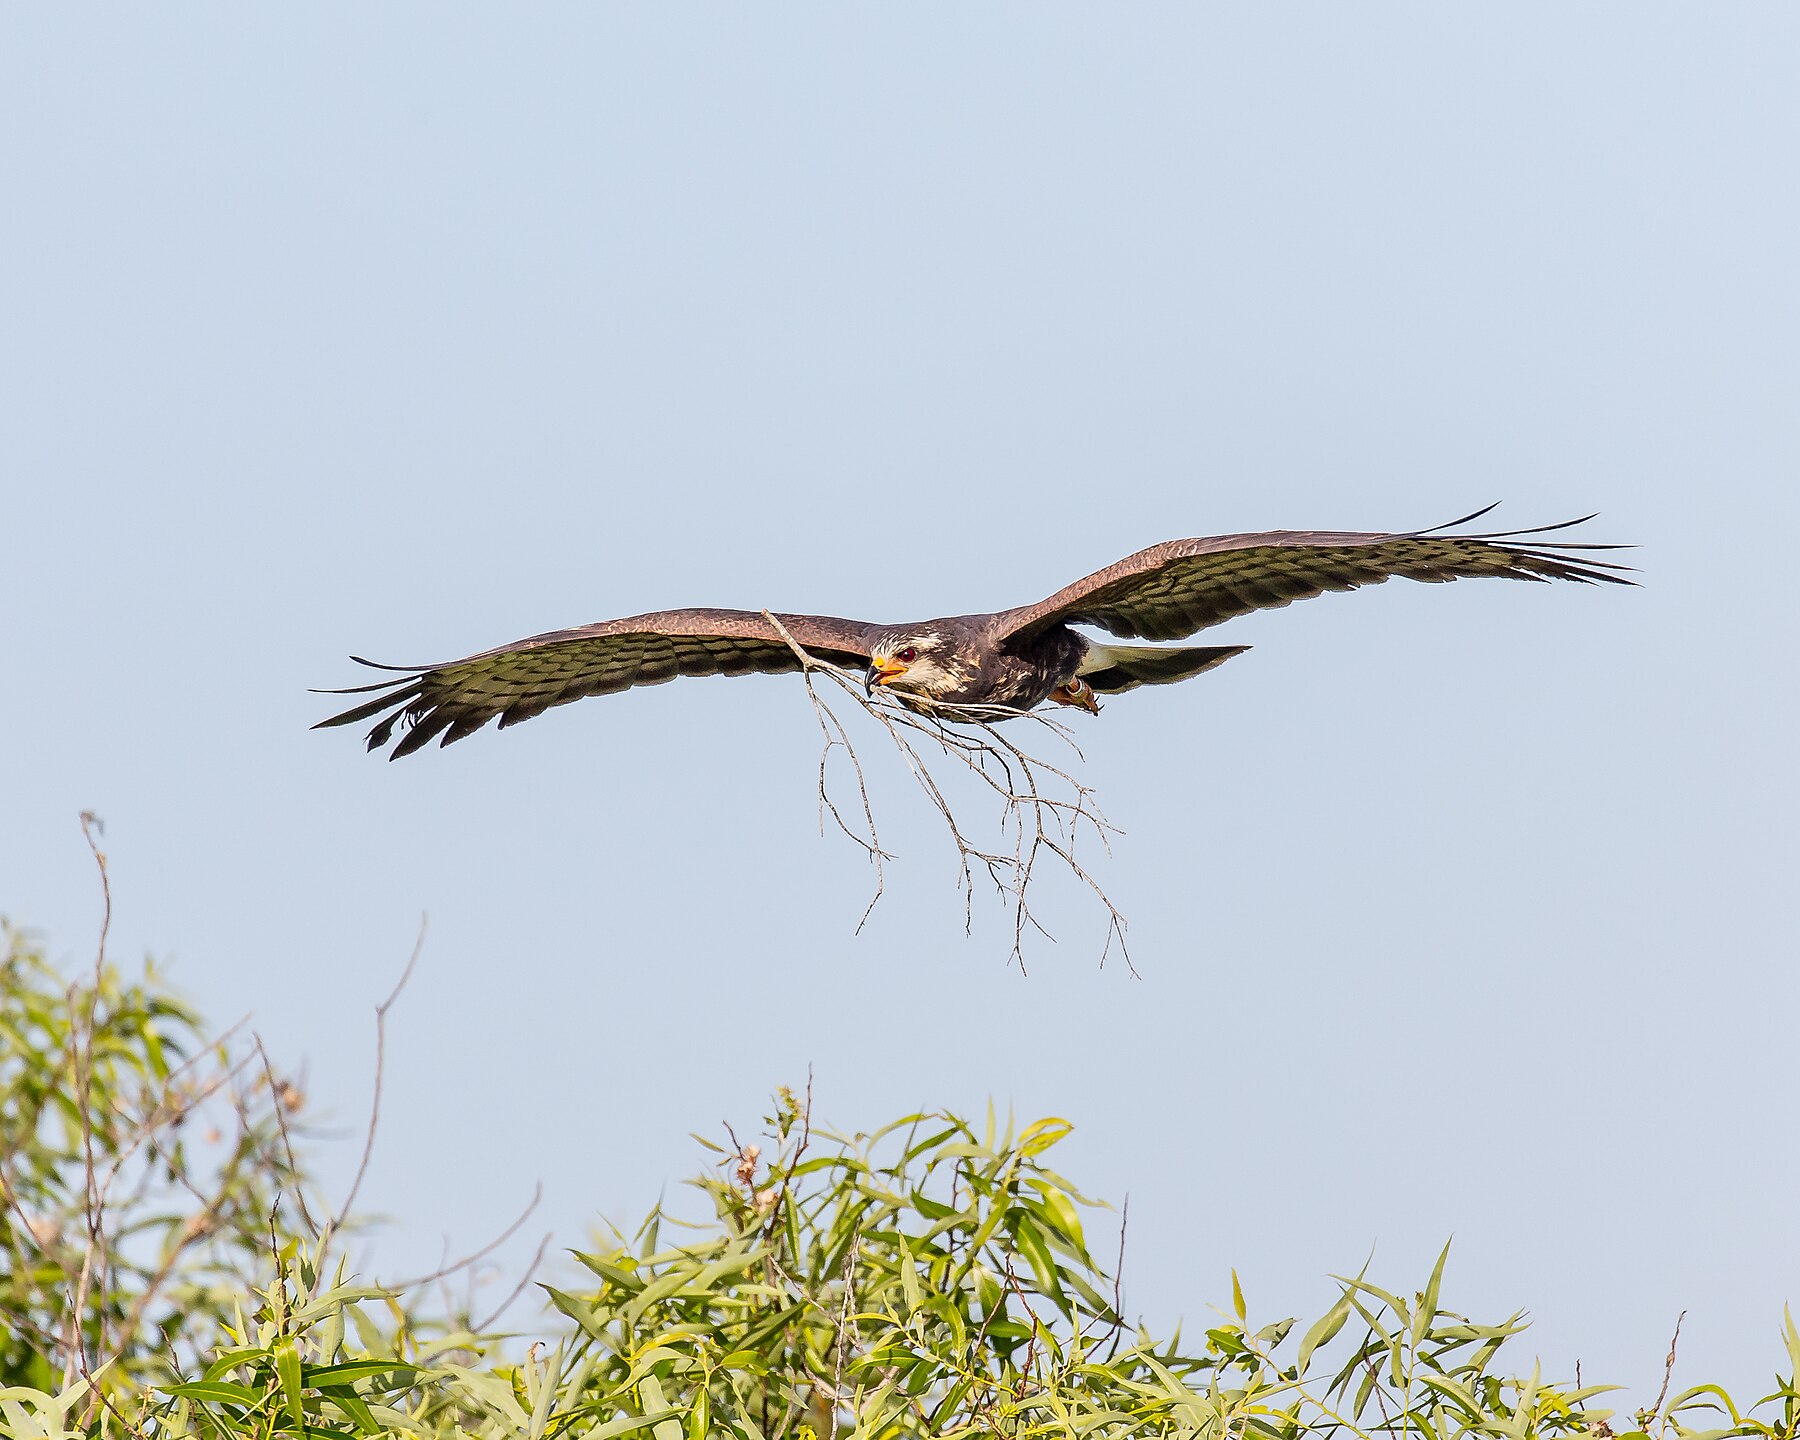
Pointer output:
x,y
1010,659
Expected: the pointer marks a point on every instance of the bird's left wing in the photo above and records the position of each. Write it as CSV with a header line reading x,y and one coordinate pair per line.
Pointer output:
x,y
527,677
1171,590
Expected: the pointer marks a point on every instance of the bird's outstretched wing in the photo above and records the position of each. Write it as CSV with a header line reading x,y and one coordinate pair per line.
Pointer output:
x,y
1173,589
527,677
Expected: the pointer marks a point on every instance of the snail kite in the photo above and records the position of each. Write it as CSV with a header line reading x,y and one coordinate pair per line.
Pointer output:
x,y
1011,660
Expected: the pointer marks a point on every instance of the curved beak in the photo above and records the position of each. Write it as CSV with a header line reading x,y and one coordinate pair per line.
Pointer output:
x,y
879,673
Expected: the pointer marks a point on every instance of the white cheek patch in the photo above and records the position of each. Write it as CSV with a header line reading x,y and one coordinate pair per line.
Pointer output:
x,y
929,677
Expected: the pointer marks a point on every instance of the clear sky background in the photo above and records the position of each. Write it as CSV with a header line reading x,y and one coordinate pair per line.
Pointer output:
x,y
408,330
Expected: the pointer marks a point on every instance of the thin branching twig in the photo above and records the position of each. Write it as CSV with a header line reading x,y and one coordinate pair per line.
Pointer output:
x,y
1668,1372
336,1220
481,1327
81,1041
1044,808
287,1142
1118,1279
451,1267
843,1330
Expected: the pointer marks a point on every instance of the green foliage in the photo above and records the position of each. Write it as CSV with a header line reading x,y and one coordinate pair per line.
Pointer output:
x,y
933,1278
139,1167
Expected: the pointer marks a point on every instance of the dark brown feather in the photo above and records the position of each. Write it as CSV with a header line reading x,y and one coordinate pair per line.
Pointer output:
x,y
1172,590
1164,593
528,677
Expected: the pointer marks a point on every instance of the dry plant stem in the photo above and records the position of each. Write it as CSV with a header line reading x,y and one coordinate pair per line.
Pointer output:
x,y
1034,821
287,1142
537,1259
335,1221
171,1104
1118,1326
170,1107
81,1040
92,1269
843,1330
773,1223
1387,1420
451,1267
191,1235
1668,1367
1037,1325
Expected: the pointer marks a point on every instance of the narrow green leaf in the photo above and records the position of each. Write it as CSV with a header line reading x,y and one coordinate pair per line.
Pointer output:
x,y
625,1424
287,1366
909,1279
1428,1301
1322,1331
1037,1253
360,1415
230,1359
654,1399
546,1393
351,1371
1040,1135
577,1310
221,1392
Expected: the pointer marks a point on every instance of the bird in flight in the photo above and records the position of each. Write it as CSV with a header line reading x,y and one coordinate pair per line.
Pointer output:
x,y
1008,661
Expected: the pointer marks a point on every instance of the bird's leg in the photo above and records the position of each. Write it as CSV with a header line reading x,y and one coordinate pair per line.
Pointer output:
x,y
1077,692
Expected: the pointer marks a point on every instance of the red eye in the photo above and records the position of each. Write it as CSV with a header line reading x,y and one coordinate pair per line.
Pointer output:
x,y
907,656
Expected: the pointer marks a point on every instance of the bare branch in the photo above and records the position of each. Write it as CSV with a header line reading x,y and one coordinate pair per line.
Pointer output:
x,y
1119,1281
81,1041
452,1266
1668,1371
517,1290
287,1141
1044,807
334,1222
843,1330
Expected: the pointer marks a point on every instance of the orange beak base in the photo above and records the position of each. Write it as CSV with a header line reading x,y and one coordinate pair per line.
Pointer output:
x,y
880,672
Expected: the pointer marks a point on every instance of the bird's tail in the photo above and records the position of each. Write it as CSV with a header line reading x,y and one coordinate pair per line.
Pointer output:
x,y
1113,668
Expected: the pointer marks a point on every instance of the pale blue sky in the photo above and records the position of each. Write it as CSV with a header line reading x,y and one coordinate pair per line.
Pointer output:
x,y
407,330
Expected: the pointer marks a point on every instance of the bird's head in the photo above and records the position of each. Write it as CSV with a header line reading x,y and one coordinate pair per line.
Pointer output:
x,y
917,663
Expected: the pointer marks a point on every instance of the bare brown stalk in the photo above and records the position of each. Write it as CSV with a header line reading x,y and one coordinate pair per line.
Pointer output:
x,y
772,1225
173,1101
452,1266
1668,1371
197,1229
1044,808
81,1041
1037,1326
1387,1420
127,1141
335,1221
287,1141
1118,1326
530,1270
843,1330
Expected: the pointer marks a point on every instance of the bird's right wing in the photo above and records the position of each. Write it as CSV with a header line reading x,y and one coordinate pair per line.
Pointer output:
x,y
527,677
1172,590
